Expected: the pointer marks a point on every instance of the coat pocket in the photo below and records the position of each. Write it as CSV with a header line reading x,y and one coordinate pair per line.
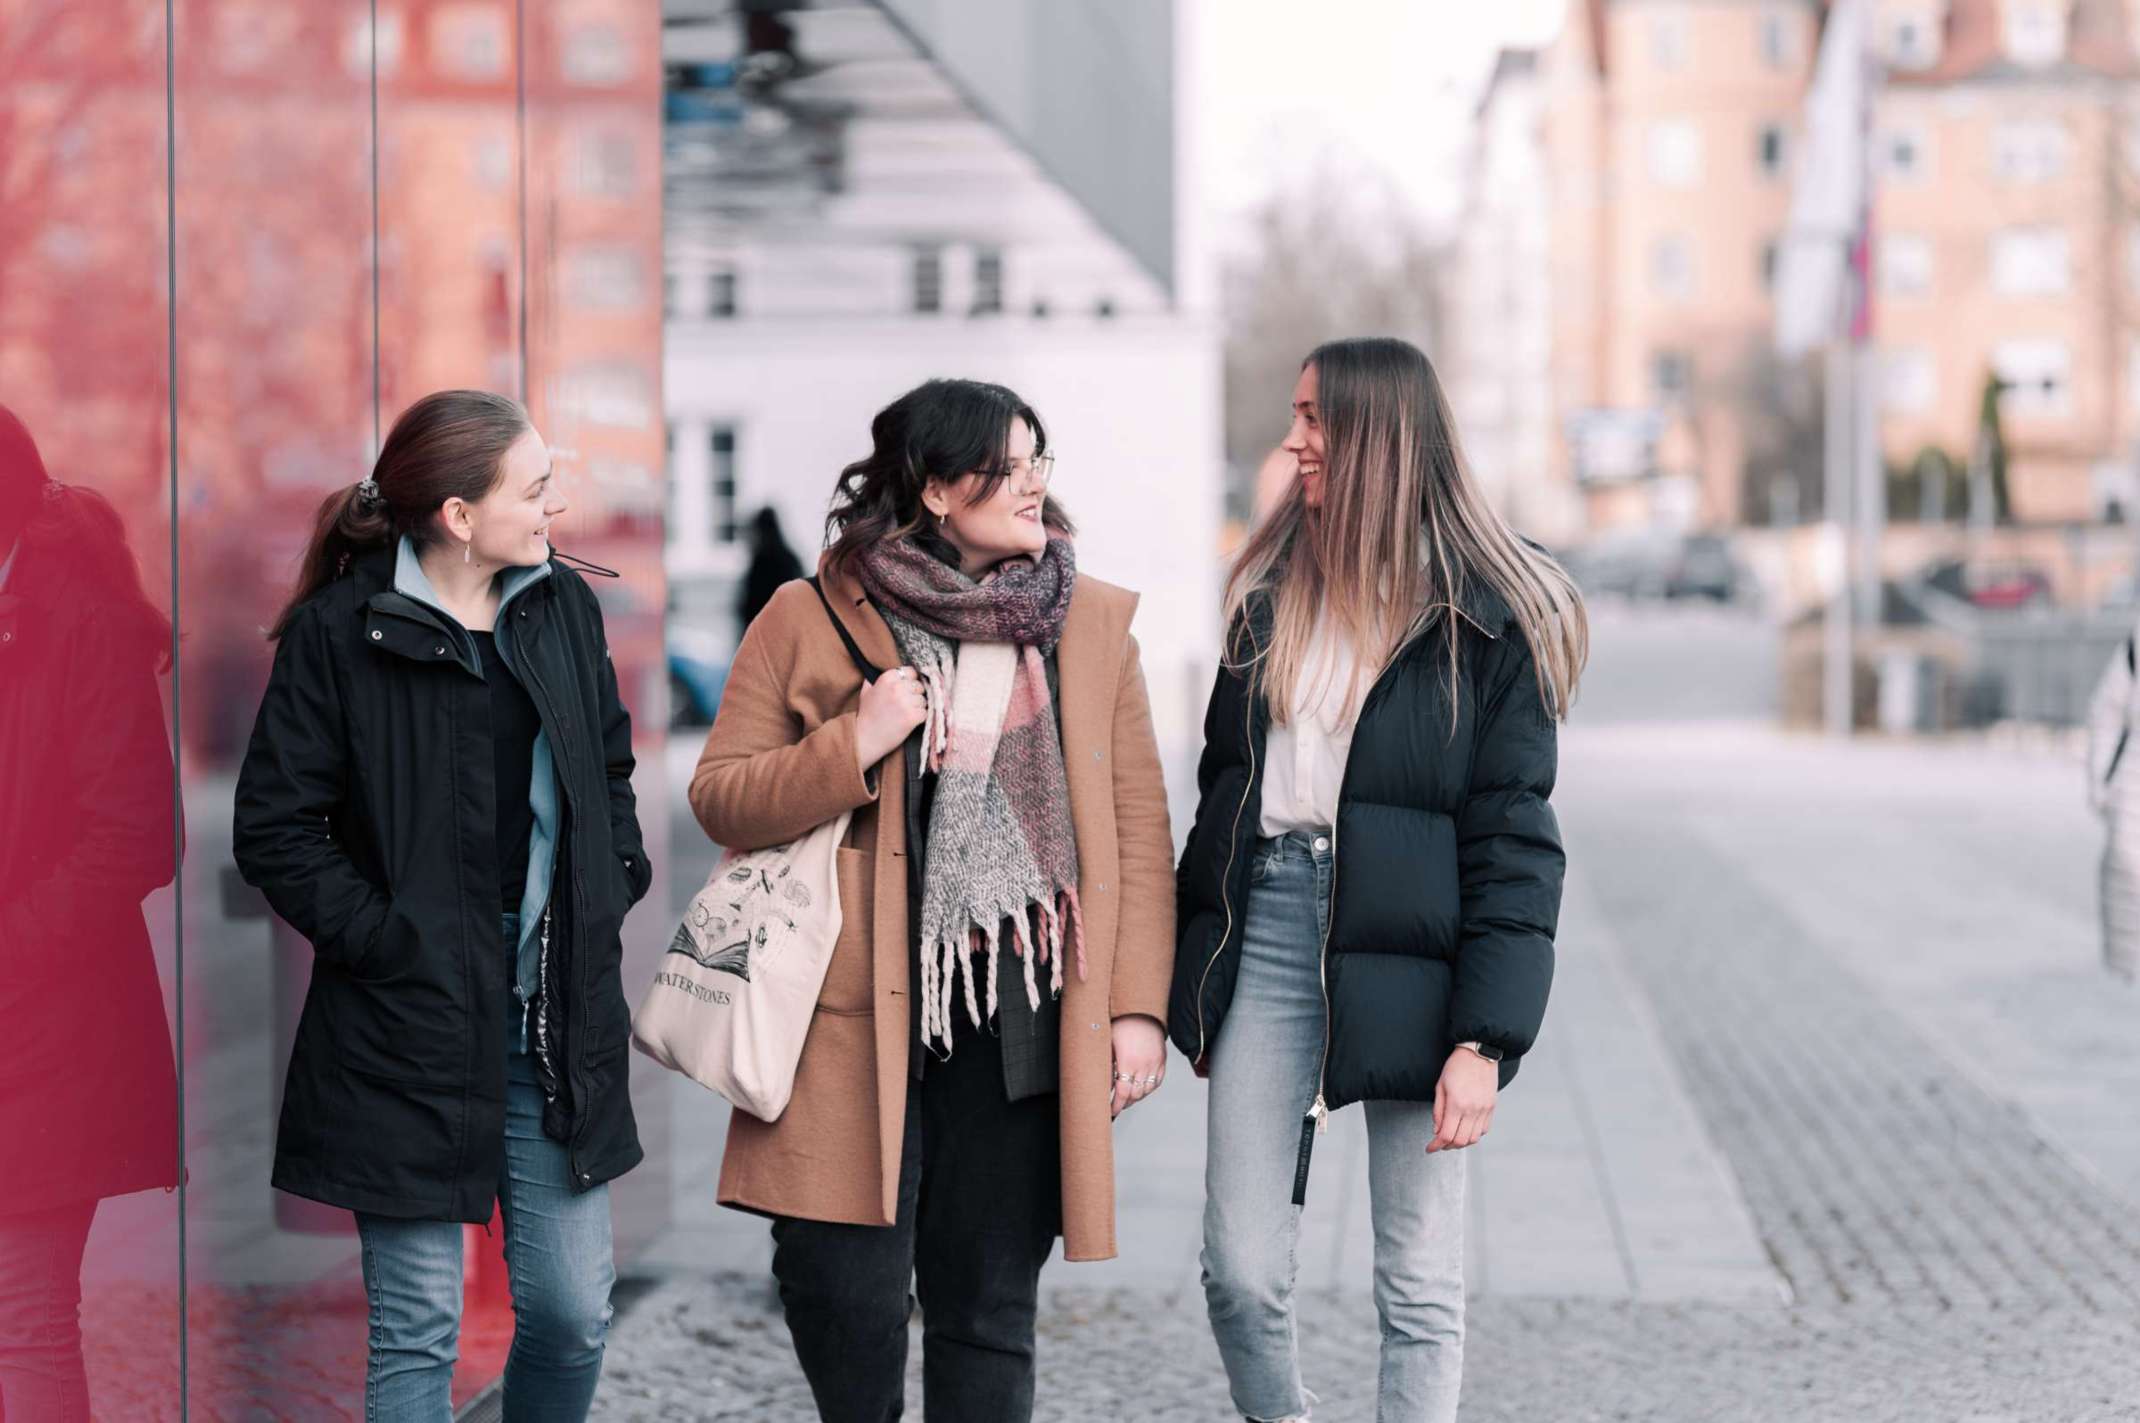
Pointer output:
x,y
850,978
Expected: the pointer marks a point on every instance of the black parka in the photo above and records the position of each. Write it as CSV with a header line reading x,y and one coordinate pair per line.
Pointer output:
x,y
366,812
1446,888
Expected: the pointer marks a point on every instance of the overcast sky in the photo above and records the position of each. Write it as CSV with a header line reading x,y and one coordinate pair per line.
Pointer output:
x,y
1386,84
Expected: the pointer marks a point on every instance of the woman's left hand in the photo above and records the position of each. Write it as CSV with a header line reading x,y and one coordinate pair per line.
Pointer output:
x,y
1140,1060
1464,1100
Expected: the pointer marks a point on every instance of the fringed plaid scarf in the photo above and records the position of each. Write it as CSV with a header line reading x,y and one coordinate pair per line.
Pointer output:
x,y
1001,850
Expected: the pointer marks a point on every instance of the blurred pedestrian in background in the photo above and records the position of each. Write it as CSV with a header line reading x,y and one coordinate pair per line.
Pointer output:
x,y
1396,662
2114,793
772,563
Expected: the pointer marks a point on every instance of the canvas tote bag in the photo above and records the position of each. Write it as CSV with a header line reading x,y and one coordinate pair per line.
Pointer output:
x,y
736,991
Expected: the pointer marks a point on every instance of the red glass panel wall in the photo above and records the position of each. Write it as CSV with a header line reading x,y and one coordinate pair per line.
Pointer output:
x,y
239,236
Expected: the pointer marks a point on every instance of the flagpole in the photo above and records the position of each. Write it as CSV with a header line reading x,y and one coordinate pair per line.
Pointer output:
x,y
1870,507
1824,274
1835,504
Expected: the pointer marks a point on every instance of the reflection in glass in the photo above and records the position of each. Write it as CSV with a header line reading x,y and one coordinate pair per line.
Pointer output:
x,y
88,1090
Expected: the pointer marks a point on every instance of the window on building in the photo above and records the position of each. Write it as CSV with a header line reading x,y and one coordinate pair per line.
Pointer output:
x,y
1912,39
1674,148
2030,261
1772,150
721,292
357,53
1905,264
928,280
2035,31
595,54
1671,375
616,393
607,165
492,161
1668,41
721,473
1778,37
2037,376
987,282
1909,379
1672,267
470,42
605,278
1905,153
2028,150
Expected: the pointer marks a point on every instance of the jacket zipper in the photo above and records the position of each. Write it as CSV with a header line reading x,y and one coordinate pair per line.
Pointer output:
x,y
1233,846
564,781
1317,1119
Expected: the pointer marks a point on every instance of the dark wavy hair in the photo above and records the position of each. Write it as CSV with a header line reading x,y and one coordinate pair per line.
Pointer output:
x,y
449,445
941,429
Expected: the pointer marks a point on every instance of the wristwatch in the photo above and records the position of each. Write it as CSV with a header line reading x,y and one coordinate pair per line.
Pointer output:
x,y
1485,1050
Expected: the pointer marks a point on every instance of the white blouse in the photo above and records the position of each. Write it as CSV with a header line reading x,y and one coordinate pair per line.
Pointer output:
x,y
1304,760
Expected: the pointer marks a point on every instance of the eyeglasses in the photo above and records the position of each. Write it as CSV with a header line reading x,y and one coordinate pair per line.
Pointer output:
x,y
1028,475
1041,470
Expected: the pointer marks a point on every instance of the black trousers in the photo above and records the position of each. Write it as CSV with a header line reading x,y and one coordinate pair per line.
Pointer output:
x,y
980,1205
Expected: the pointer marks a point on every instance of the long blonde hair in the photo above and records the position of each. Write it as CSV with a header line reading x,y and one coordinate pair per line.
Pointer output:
x,y
1402,533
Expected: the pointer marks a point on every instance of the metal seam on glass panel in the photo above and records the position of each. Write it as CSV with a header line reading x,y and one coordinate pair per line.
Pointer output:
x,y
373,255
178,822
520,123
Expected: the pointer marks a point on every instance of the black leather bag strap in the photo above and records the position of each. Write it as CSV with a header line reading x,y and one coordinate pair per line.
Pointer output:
x,y
870,671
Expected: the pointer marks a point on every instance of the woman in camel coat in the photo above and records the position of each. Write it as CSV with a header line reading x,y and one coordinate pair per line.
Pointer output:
x,y
907,1151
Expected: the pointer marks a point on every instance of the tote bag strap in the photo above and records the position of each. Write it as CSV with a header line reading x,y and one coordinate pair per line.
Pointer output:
x,y
870,671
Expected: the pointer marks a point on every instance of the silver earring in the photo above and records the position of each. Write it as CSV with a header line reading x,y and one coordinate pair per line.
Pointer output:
x,y
942,519
466,557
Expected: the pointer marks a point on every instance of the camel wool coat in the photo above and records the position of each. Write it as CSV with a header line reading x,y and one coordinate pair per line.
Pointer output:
x,y
781,759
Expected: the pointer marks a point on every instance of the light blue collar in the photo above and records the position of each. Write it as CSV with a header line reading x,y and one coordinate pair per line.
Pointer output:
x,y
411,582
8,566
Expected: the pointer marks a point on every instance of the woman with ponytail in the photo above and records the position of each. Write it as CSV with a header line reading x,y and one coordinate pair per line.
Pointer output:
x,y
438,795
1368,897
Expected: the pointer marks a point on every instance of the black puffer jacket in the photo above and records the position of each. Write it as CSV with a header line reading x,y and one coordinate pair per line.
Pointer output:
x,y
1447,879
366,814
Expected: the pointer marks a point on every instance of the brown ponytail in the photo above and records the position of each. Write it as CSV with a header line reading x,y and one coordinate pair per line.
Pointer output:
x,y
448,445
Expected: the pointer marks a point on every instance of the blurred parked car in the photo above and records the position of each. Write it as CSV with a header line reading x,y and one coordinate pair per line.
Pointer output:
x,y
702,638
1704,567
1651,563
697,672
1995,585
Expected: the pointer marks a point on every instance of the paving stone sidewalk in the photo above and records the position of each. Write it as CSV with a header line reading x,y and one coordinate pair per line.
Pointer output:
x,y
713,1348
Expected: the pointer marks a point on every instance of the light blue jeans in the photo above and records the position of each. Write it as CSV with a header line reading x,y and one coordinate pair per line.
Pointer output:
x,y
558,1253
1263,1071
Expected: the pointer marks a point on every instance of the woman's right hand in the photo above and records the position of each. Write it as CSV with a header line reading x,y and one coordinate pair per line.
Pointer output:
x,y
892,706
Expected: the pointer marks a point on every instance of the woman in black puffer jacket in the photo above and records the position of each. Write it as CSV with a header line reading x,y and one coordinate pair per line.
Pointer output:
x,y
1397,660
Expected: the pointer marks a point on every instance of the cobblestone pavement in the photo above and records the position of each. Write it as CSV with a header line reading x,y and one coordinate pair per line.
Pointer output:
x,y
715,1349
1876,1171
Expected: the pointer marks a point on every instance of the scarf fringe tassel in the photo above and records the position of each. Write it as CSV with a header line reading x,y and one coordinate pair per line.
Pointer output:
x,y
1038,931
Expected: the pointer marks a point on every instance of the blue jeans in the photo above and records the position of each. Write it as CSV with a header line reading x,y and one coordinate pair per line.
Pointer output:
x,y
558,1252
41,1373
1263,1078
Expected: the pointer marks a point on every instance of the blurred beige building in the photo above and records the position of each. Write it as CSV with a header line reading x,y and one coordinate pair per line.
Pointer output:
x,y
2008,240
1628,187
